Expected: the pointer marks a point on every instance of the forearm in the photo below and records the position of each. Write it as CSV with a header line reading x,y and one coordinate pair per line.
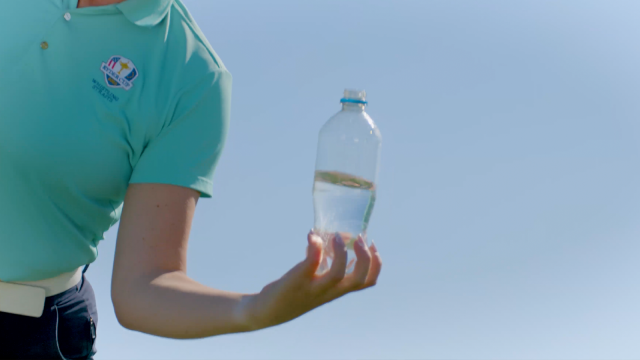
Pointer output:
x,y
175,306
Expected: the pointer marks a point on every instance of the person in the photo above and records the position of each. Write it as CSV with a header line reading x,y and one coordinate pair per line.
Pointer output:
x,y
118,110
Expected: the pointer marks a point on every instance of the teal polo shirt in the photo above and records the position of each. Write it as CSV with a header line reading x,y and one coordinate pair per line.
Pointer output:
x,y
92,100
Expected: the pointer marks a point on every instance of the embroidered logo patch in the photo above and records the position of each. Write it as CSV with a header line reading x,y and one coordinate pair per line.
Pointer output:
x,y
119,72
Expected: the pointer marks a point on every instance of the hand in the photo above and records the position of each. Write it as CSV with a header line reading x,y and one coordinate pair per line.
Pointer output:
x,y
300,290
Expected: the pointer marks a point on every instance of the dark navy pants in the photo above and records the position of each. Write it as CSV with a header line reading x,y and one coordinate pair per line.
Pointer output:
x,y
66,329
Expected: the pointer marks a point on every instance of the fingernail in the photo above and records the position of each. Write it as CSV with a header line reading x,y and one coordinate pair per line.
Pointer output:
x,y
373,246
338,240
360,242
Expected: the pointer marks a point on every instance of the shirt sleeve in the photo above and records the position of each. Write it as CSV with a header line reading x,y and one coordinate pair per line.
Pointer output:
x,y
186,151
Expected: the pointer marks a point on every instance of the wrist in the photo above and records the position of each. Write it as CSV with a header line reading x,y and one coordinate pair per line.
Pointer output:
x,y
245,313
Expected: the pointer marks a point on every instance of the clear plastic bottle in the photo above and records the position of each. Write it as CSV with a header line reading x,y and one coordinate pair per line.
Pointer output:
x,y
344,189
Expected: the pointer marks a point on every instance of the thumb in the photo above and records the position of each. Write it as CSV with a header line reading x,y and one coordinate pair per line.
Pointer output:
x,y
314,252
308,267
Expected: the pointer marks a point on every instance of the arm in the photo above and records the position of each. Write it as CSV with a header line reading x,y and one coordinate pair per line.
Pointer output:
x,y
152,293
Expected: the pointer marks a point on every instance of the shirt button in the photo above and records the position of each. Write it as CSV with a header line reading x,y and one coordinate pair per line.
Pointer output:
x,y
44,45
67,16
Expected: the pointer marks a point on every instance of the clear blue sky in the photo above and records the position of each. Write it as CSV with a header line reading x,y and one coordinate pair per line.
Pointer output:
x,y
508,212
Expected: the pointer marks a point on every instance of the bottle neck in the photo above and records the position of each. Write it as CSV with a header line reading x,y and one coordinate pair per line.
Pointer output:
x,y
352,107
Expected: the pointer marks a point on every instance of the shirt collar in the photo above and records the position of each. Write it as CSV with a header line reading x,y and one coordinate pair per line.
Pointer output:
x,y
145,13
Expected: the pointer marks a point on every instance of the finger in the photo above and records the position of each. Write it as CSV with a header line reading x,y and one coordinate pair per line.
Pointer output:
x,y
338,267
309,266
357,279
359,275
376,267
314,250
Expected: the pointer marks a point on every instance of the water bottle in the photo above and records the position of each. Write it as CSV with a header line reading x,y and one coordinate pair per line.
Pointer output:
x,y
344,188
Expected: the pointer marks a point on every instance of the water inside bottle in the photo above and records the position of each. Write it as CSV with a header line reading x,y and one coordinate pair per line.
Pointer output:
x,y
343,203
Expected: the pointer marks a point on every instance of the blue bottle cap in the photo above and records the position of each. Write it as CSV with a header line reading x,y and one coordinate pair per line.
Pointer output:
x,y
354,97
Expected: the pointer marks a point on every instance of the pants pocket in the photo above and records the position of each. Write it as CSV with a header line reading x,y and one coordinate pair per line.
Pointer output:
x,y
76,325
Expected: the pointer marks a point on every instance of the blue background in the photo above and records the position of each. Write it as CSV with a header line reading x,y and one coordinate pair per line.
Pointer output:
x,y
508,212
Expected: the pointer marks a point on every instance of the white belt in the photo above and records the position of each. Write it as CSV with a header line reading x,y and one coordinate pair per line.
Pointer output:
x,y
28,297
58,284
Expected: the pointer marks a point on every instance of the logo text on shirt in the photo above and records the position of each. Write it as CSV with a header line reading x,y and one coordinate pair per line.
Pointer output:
x,y
119,72
104,92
